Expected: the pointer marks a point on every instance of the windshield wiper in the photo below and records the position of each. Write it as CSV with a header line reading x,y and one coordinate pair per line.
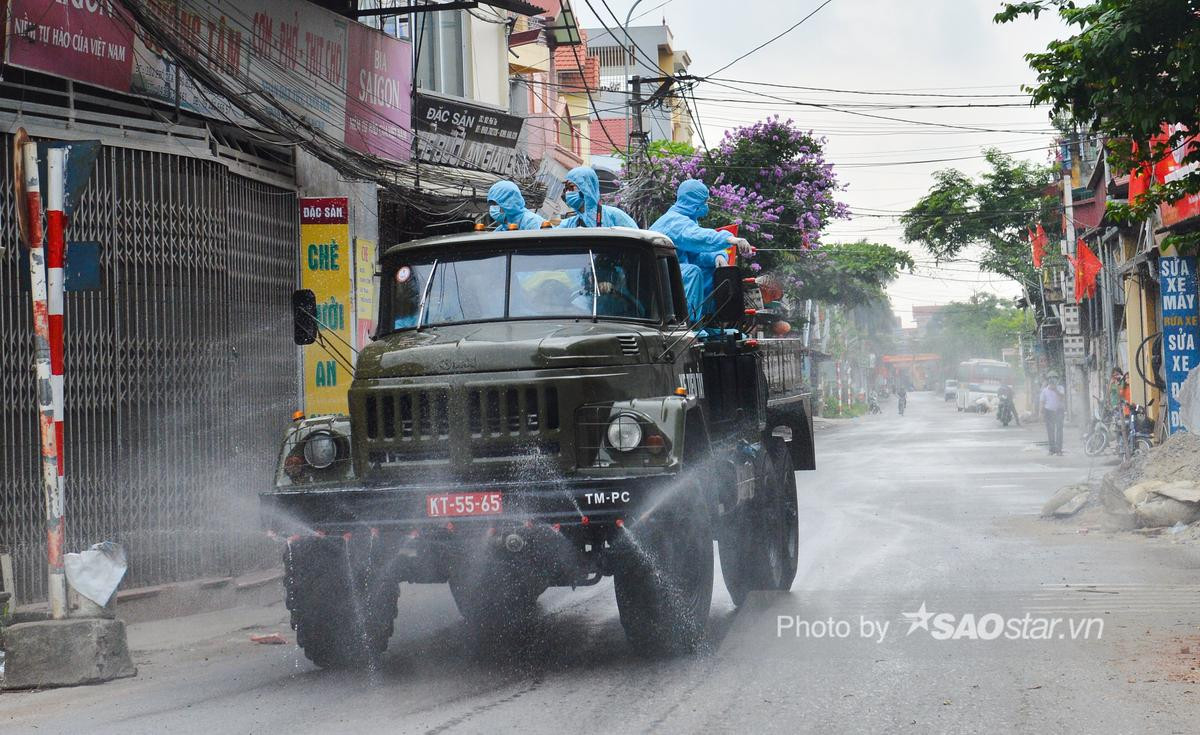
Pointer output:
x,y
425,295
595,284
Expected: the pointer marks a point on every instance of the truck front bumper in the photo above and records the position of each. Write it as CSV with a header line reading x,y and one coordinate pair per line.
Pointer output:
x,y
339,508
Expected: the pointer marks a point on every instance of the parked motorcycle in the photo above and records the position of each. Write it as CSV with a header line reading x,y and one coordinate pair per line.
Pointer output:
x,y
1101,432
1138,435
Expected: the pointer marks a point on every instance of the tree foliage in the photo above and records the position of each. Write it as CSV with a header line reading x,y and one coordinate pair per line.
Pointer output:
x,y
852,274
1132,68
979,327
994,211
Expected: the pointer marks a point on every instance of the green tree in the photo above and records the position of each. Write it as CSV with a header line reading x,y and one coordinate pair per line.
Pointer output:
x,y
993,212
1132,67
979,327
848,274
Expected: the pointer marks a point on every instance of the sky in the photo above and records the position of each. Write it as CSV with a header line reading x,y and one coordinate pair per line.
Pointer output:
x,y
925,46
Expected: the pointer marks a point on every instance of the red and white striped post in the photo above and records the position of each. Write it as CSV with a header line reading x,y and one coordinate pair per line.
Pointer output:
x,y
49,398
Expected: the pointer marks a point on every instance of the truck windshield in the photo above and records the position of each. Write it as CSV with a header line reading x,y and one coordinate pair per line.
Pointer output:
x,y
609,282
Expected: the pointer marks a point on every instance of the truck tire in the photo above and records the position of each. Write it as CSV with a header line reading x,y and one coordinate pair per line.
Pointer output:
x,y
664,587
760,547
342,614
789,511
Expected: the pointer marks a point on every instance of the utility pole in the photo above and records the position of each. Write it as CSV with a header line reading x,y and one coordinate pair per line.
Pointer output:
x,y
1069,251
638,142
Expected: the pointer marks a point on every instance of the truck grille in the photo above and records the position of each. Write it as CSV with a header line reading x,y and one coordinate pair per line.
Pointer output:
x,y
409,415
512,410
490,423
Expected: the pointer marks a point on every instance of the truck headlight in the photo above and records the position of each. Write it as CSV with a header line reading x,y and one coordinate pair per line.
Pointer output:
x,y
320,450
624,433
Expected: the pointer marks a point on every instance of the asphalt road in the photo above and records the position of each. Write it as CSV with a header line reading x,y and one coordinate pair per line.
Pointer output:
x,y
933,512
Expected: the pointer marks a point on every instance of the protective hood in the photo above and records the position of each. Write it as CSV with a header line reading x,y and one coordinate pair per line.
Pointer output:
x,y
691,199
508,196
589,186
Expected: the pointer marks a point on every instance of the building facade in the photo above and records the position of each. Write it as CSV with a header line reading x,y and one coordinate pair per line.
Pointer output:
x,y
180,372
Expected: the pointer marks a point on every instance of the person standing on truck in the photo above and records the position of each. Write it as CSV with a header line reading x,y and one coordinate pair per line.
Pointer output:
x,y
581,191
506,207
701,250
1052,404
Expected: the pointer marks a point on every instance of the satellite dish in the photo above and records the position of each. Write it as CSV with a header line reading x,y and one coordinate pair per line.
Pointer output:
x,y
21,203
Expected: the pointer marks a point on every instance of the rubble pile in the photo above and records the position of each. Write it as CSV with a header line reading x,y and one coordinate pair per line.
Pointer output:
x,y
1160,488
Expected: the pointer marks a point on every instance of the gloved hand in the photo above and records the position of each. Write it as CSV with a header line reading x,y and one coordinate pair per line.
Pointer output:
x,y
720,261
743,245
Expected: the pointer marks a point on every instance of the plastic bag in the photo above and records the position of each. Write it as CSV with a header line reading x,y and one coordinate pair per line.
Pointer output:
x,y
97,572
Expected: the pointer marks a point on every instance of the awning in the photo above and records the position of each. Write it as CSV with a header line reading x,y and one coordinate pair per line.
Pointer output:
x,y
1132,264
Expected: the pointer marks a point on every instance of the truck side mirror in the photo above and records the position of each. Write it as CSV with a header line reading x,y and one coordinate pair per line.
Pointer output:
x,y
304,317
728,301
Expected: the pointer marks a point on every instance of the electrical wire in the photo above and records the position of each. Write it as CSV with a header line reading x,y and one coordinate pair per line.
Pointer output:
x,y
773,39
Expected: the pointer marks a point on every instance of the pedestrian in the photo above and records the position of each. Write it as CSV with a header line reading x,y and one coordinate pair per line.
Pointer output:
x,y
581,191
506,206
1052,404
701,250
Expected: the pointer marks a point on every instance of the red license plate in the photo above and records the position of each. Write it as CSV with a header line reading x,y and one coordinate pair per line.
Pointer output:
x,y
463,504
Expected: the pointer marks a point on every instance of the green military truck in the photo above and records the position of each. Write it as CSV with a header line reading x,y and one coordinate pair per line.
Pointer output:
x,y
535,410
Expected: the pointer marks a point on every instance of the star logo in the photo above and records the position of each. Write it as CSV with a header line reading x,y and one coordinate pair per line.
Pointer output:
x,y
918,619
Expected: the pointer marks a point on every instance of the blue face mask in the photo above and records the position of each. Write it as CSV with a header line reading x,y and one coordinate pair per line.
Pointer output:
x,y
702,212
574,200
496,213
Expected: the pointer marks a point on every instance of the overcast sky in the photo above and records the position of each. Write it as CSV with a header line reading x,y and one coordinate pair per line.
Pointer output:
x,y
941,46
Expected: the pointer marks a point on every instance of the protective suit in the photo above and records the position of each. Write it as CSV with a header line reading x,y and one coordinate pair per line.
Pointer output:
x,y
507,206
698,247
587,204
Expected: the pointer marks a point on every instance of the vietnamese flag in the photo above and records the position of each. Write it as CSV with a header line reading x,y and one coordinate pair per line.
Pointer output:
x,y
1087,270
1039,242
1140,179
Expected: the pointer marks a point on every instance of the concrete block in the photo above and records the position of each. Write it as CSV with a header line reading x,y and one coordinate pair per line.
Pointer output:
x,y
53,653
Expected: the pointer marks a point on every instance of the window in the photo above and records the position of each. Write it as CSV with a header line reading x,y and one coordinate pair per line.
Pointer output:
x,y
440,41
392,25
611,282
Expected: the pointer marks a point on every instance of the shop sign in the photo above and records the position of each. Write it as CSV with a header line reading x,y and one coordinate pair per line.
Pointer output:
x,y
84,40
1177,290
455,133
327,269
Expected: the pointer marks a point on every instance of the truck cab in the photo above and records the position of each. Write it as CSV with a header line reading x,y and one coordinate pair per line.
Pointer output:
x,y
535,410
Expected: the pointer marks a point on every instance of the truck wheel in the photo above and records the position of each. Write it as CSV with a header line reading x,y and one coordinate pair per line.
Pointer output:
x,y
664,588
343,616
760,549
789,514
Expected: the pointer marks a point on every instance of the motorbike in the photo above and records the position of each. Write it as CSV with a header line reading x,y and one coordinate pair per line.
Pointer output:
x,y
1101,431
873,404
1006,411
901,401
1138,433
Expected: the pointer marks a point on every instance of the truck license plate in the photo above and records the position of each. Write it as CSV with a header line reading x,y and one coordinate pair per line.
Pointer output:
x,y
463,504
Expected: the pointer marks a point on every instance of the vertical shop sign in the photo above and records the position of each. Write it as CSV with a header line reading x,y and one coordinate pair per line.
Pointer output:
x,y
364,291
1177,286
379,94
327,269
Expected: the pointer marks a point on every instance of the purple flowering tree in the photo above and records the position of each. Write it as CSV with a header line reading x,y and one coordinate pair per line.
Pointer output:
x,y
770,178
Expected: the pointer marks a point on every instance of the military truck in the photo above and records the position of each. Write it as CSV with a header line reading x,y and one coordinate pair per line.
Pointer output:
x,y
535,410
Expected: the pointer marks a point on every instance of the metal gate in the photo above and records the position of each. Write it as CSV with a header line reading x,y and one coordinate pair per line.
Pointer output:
x,y
180,371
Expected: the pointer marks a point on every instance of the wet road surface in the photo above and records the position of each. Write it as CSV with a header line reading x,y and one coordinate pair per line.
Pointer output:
x,y
930,514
